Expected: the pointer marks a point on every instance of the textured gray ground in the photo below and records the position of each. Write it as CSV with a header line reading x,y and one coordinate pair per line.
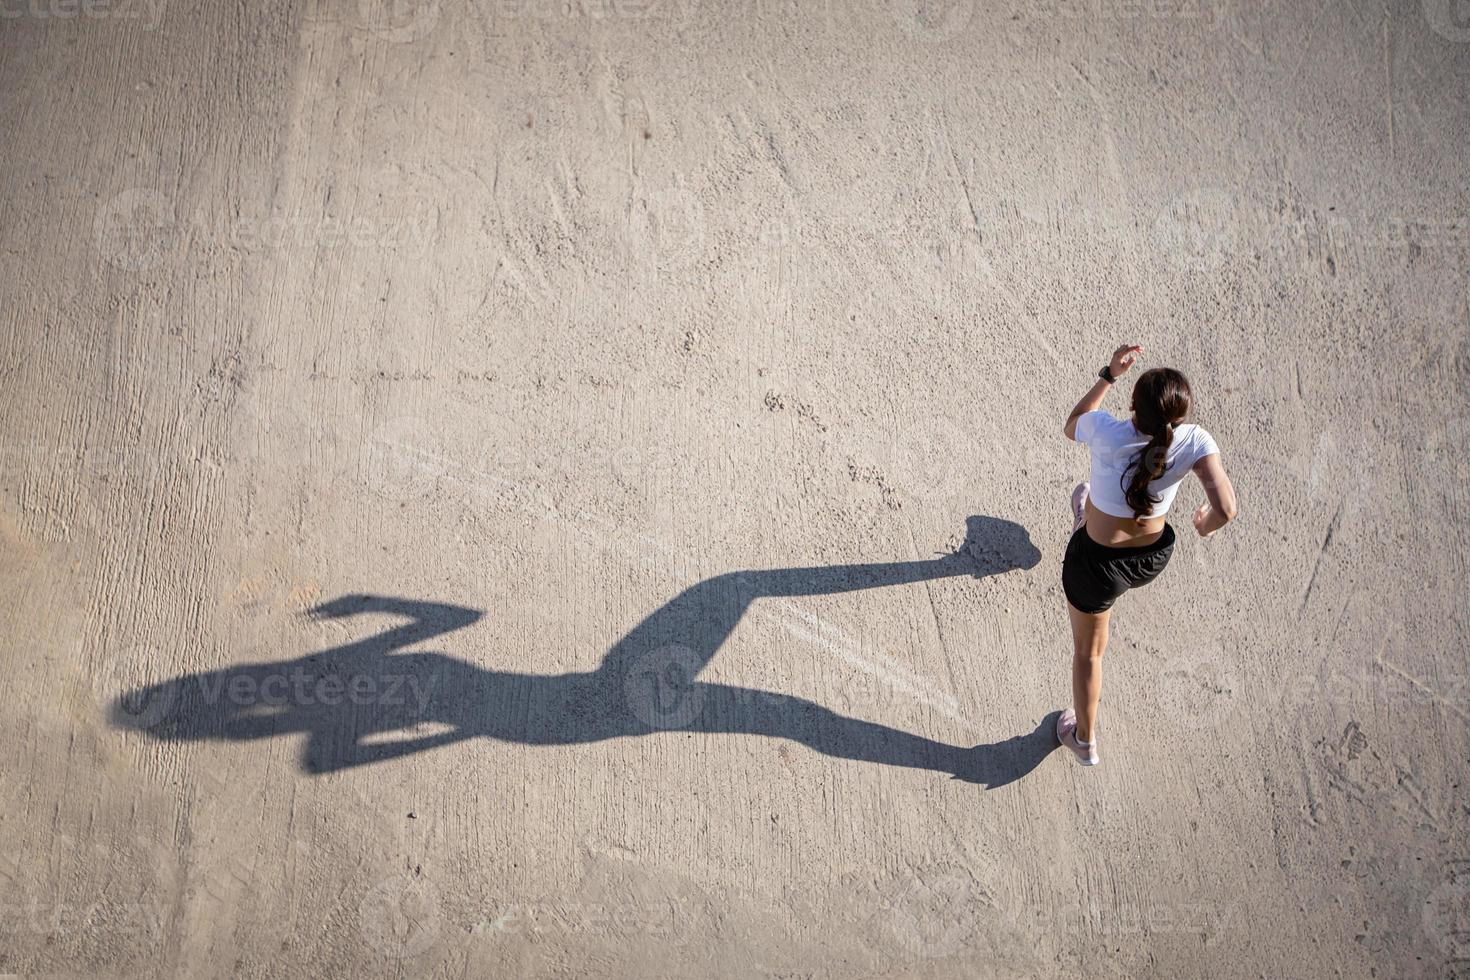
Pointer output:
x,y
507,336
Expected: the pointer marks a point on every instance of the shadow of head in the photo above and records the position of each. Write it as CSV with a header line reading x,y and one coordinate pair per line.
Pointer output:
x,y
999,545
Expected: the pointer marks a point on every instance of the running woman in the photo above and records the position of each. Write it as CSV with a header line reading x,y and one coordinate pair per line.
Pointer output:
x,y
1120,539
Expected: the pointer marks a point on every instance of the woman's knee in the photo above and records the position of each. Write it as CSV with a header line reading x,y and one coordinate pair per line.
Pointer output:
x,y
1090,647
1087,658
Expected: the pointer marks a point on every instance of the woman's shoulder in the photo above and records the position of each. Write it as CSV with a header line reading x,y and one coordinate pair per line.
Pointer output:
x,y
1199,437
1101,422
1104,417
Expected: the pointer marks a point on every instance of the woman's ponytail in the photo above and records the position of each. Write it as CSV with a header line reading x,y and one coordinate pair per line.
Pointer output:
x,y
1161,400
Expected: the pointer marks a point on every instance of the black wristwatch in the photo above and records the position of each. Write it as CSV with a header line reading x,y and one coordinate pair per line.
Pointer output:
x,y
1105,374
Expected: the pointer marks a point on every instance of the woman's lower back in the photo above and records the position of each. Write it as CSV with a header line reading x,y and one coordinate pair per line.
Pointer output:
x,y
1122,532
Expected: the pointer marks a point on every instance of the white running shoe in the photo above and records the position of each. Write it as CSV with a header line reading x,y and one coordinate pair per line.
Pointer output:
x,y
1079,504
1086,753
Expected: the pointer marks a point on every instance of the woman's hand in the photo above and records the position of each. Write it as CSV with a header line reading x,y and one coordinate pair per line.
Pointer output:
x,y
1202,520
1123,359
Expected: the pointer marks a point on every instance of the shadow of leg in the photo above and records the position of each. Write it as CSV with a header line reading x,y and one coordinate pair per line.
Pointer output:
x,y
752,712
748,711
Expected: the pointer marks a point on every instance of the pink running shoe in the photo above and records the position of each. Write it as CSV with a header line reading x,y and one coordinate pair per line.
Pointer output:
x,y
1067,734
1079,505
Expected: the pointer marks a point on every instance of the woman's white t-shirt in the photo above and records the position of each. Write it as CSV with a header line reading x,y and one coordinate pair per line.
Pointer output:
x,y
1115,442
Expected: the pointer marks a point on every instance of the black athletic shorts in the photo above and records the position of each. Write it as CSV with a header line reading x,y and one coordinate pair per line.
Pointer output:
x,y
1094,575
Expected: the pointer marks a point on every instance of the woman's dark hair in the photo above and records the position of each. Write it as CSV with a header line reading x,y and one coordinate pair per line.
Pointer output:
x,y
1161,399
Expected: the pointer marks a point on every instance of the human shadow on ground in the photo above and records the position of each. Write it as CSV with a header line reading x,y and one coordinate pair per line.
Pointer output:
x,y
365,702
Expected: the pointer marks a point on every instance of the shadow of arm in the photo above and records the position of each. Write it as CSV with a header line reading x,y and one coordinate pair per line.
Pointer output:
x,y
426,619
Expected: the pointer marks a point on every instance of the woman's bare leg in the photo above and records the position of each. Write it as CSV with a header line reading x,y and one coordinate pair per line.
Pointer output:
x,y
1089,638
